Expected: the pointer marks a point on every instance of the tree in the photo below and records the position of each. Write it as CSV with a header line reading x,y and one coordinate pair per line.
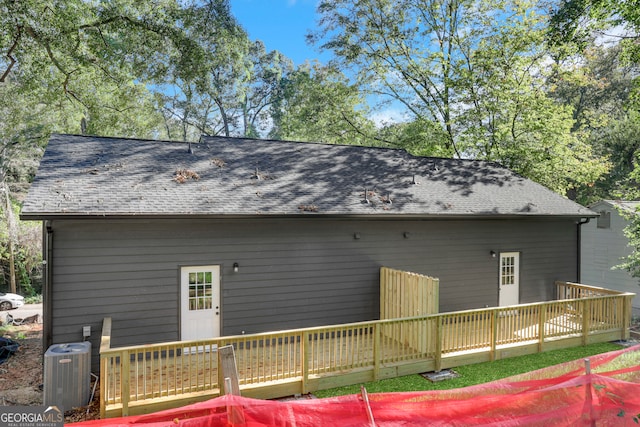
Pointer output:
x,y
263,87
596,84
56,44
317,104
11,237
418,137
476,70
509,116
579,22
20,251
623,140
399,50
102,57
85,67
92,64
226,47
19,151
619,141
236,96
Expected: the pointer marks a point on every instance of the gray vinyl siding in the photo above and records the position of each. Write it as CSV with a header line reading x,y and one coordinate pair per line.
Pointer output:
x,y
602,249
293,273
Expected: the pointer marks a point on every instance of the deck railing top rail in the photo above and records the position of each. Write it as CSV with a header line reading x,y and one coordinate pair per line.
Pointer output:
x,y
106,334
578,290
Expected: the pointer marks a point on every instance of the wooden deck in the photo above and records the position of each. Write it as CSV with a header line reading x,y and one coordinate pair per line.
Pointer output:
x,y
148,378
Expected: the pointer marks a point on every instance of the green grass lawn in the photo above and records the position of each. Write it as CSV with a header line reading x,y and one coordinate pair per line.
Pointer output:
x,y
478,373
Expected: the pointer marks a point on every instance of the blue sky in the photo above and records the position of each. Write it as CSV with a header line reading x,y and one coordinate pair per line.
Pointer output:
x,y
281,25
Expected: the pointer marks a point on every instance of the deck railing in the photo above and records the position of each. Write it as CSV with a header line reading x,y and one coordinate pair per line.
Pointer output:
x,y
570,290
139,379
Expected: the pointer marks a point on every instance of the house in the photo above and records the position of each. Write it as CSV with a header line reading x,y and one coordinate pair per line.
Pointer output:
x,y
604,245
228,236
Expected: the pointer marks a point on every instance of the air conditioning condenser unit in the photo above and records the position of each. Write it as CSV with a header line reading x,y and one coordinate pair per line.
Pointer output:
x,y
67,375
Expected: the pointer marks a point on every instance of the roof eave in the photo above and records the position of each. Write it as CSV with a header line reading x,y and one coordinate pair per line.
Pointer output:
x,y
41,216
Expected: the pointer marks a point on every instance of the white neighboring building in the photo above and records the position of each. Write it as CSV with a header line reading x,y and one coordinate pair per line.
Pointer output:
x,y
603,245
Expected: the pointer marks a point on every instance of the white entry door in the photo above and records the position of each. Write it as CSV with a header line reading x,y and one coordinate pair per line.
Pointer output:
x,y
200,302
509,289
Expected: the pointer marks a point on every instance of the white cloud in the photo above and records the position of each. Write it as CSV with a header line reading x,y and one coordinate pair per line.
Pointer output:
x,y
388,116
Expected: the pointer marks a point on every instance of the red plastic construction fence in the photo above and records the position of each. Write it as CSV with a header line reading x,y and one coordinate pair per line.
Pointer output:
x,y
561,395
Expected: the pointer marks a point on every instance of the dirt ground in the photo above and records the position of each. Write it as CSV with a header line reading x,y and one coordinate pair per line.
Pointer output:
x,y
21,375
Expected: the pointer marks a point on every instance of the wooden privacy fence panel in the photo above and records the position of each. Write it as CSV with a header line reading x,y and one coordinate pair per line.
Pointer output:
x,y
148,378
405,294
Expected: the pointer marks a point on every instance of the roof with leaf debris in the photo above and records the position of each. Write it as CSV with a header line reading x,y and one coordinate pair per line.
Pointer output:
x,y
219,176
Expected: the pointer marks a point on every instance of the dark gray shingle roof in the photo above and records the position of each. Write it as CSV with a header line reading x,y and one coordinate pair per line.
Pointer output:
x,y
89,176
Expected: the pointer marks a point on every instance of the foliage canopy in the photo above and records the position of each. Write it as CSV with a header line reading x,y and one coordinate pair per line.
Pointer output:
x,y
499,80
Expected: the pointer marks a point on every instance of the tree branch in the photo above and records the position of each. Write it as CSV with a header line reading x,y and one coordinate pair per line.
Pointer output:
x,y
12,60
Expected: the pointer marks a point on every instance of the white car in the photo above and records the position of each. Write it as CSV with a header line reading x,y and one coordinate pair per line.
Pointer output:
x,y
9,301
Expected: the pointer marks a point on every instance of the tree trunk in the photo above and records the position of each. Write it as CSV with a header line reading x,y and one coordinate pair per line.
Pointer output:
x,y
223,114
12,268
10,232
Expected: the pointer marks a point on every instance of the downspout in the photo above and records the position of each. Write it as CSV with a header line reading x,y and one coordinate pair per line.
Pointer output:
x,y
582,222
47,312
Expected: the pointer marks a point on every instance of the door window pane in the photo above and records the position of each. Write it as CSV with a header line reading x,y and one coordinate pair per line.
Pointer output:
x,y
200,290
507,273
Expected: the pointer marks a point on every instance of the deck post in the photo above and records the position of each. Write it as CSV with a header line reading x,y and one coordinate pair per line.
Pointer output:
x,y
438,349
494,333
103,386
626,316
562,290
376,351
542,320
586,320
105,344
125,374
304,353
